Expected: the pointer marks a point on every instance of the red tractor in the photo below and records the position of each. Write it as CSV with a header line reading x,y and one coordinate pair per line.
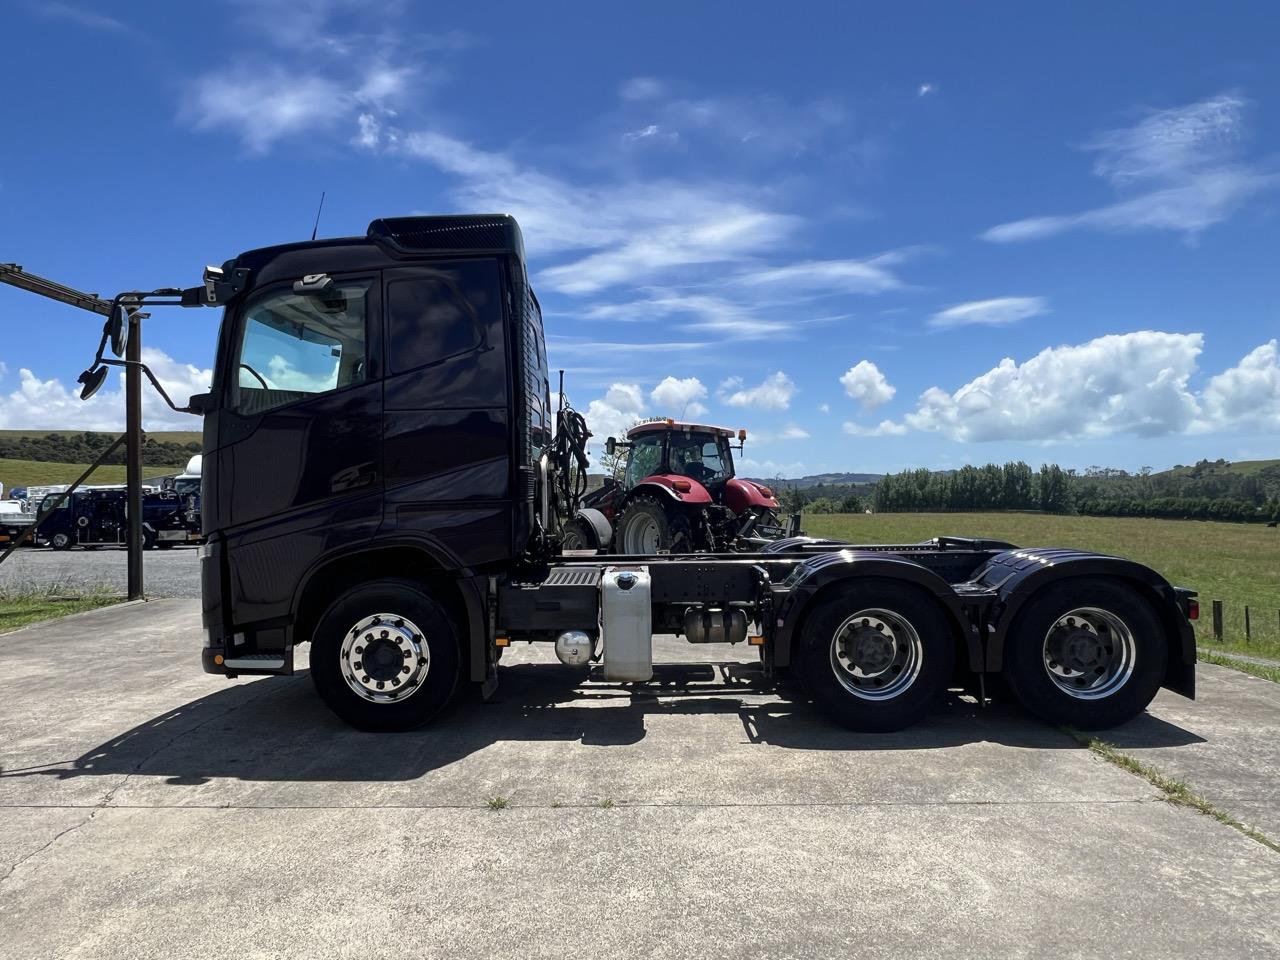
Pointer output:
x,y
678,494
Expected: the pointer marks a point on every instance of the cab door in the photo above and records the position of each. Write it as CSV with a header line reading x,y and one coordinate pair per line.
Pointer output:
x,y
299,435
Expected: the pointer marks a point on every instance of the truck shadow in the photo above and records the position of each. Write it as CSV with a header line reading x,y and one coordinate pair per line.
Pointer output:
x,y
276,729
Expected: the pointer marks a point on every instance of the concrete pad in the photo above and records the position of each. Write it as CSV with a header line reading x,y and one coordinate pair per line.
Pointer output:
x,y
1233,757
1082,880
152,810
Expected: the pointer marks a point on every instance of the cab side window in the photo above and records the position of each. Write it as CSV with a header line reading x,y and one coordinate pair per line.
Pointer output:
x,y
295,345
439,314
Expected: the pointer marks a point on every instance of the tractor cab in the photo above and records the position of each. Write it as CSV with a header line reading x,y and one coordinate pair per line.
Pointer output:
x,y
677,493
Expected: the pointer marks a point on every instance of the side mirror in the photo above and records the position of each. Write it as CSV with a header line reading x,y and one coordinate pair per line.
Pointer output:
x,y
609,483
118,327
610,446
92,380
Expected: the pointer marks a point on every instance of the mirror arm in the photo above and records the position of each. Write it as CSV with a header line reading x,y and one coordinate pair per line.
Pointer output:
x,y
154,382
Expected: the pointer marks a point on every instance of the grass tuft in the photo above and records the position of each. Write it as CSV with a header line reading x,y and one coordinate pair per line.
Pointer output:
x,y
498,803
1175,791
28,602
1244,666
607,804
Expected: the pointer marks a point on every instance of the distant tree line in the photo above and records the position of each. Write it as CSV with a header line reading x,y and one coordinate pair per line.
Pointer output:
x,y
85,448
1207,491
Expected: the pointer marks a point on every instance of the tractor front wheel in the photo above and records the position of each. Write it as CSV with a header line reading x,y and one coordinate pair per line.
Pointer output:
x,y
648,526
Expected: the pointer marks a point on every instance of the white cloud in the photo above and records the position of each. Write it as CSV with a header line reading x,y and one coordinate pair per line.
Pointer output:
x,y
1185,163
263,106
1132,383
39,404
993,313
824,407
614,413
844,276
767,469
885,428
774,393
679,397
703,312
925,89
866,384
1246,396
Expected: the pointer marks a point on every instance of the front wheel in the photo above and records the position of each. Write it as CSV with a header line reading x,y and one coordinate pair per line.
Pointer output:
x,y
1086,653
386,656
875,655
576,536
61,541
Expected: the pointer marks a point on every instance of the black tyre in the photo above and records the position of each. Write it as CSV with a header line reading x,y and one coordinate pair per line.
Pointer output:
x,y
165,544
61,541
647,525
577,536
148,539
1085,653
875,655
386,656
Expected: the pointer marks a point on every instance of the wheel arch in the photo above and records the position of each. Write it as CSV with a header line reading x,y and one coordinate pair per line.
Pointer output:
x,y
822,576
597,523
1016,590
461,595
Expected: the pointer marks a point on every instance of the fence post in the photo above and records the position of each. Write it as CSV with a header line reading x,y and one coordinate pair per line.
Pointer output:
x,y
1246,623
1217,620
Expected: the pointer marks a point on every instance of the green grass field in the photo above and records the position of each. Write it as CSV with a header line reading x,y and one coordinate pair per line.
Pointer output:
x,y
23,473
1233,562
163,436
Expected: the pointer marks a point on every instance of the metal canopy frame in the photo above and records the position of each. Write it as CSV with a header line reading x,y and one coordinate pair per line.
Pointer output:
x,y
14,275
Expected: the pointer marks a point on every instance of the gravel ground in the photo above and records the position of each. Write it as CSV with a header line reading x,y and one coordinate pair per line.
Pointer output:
x,y
167,573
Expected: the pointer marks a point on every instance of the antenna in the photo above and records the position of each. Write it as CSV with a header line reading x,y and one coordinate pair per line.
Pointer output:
x,y
317,226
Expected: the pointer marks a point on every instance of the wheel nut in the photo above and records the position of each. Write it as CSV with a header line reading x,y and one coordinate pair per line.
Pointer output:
x,y
404,670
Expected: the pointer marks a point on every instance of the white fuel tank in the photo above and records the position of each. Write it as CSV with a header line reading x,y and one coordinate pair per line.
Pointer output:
x,y
626,623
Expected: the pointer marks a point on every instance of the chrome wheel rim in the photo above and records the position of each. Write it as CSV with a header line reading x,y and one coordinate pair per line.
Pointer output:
x,y
1089,653
876,654
642,534
384,658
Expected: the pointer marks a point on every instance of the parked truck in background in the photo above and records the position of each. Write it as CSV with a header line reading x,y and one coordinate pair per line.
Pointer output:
x,y
381,480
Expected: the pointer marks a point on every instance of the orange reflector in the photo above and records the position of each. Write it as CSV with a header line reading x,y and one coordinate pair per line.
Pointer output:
x,y
670,422
502,641
755,640
684,486
742,436
217,658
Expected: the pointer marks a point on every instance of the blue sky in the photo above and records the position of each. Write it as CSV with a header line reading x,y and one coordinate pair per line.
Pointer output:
x,y
877,238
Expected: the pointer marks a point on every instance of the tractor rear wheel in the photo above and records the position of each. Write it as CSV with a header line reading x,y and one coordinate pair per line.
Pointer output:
x,y
648,526
576,536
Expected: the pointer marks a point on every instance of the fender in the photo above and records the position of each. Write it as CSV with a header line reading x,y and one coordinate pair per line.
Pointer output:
x,y
741,495
1016,575
597,523
471,589
696,494
808,580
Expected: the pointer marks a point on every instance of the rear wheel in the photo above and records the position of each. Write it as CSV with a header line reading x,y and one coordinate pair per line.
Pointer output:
x,y
61,541
385,656
1087,653
875,655
647,526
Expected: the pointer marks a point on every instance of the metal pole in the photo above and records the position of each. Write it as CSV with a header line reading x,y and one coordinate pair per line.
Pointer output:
x,y
133,451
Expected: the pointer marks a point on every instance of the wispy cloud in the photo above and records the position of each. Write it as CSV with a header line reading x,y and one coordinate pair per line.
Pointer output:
x,y
89,19
1183,163
996,312
870,276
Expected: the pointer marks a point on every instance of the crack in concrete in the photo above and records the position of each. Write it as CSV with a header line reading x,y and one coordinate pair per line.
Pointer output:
x,y
56,837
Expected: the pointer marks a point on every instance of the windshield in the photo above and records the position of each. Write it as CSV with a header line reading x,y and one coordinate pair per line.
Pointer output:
x,y
699,456
644,459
